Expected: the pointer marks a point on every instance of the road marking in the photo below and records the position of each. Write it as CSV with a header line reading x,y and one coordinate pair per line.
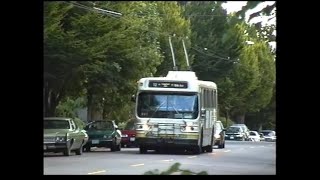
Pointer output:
x,y
192,157
97,172
227,150
261,146
167,160
135,165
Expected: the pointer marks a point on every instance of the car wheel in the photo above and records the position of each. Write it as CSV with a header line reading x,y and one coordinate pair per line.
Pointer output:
x,y
119,147
221,145
143,150
67,151
79,151
87,148
114,146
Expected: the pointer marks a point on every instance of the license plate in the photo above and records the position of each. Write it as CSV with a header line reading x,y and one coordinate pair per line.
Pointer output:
x,y
132,139
44,147
95,141
231,137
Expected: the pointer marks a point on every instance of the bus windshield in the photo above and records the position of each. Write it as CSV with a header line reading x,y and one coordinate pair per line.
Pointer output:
x,y
168,105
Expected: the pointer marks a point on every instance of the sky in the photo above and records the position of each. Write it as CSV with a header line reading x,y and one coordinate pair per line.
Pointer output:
x,y
234,6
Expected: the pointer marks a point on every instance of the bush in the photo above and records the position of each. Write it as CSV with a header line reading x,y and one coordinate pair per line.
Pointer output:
x,y
175,168
224,122
79,123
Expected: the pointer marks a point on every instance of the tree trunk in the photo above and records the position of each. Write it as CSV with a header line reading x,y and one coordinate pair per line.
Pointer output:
x,y
227,117
240,119
94,112
51,104
96,115
89,105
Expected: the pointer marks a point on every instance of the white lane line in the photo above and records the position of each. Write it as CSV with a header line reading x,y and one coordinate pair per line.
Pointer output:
x,y
135,165
251,147
97,172
261,146
167,160
227,150
192,157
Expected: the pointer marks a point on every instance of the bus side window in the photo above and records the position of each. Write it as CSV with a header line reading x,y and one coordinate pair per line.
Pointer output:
x,y
210,99
206,98
215,98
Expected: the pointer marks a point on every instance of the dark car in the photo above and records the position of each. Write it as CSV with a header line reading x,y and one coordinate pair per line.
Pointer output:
x,y
103,133
245,130
128,135
235,133
219,135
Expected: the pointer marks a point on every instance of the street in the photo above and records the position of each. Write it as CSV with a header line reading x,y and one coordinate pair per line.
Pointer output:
x,y
238,158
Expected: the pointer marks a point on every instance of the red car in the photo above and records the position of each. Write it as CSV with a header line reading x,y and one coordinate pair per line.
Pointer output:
x,y
128,138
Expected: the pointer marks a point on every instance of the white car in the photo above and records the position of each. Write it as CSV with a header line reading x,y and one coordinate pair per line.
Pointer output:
x,y
269,135
254,136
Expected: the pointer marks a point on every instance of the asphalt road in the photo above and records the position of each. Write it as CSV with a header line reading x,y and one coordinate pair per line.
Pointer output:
x,y
237,158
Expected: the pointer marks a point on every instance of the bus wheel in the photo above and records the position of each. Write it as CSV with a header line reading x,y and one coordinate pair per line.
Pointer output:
x,y
143,150
209,148
197,150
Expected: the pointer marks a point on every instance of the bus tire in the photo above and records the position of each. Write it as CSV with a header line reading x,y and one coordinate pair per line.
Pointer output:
x,y
198,149
209,148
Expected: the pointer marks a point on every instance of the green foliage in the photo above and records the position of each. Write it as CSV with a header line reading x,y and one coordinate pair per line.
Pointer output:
x,y
101,57
208,48
174,169
81,124
176,25
67,107
225,123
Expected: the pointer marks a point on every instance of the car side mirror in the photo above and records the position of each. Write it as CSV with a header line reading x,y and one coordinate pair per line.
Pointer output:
x,y
84,131
133,98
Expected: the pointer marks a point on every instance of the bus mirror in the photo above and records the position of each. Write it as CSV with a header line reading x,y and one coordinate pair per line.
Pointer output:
x,y
203,112
133,98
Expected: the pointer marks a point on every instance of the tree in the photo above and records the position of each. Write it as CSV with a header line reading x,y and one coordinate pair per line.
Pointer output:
x,y
175,25
211,55
253,77
63,57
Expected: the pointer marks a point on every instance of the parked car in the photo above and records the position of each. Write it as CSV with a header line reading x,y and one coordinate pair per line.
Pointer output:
x,y
103,133
254,136
219,135
269,135
128,138
235,133
63,135
245,130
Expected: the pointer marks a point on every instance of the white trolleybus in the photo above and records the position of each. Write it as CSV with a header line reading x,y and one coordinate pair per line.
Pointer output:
x,y
176,111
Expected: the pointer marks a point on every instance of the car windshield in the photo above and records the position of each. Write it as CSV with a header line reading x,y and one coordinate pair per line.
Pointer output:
x,y
267,133
56,124
168,105
233,130
100,125
129,126
253,134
